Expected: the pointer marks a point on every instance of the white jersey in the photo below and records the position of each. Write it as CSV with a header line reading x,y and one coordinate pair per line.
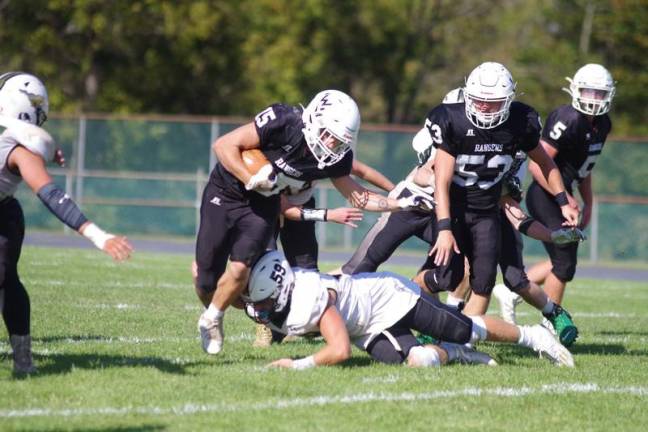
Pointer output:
x,y
299,197
8,180
369,303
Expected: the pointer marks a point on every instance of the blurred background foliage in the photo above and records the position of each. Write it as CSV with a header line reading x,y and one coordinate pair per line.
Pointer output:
x,y
397,58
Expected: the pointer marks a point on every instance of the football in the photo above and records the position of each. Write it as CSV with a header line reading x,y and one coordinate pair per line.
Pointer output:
x,y
254,159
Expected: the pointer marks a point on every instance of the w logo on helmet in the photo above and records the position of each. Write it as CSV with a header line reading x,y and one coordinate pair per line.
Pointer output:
x,y
324,102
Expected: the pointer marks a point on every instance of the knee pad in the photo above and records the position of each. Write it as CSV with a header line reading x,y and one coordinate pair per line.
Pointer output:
x,y
421,356
515,279
564,270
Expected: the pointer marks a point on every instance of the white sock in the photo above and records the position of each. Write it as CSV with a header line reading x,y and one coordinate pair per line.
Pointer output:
x,y
479,332
548,308
524,339
213,313
453,301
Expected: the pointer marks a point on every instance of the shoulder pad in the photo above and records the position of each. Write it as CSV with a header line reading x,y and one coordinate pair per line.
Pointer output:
x,y
454,96
34,138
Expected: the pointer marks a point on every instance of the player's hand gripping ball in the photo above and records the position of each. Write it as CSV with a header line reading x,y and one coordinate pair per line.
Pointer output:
x,y
263,176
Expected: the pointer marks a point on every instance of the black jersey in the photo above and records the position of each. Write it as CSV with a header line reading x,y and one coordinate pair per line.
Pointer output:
x,y
282,141
482,156
578,141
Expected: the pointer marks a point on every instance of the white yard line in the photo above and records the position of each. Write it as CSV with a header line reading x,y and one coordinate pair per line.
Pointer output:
x,y
603,314
278,404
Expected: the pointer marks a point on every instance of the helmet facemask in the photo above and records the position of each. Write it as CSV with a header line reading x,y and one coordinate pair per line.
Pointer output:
x,y
331,123
592,90
489,84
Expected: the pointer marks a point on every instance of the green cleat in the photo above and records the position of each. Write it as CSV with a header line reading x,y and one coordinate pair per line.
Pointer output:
x,y
424,339
563,325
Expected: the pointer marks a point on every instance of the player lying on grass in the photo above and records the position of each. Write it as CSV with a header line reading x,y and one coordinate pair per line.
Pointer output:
x,y
377,312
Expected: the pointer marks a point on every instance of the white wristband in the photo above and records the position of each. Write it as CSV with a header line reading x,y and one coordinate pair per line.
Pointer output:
x,y
304,363
96,235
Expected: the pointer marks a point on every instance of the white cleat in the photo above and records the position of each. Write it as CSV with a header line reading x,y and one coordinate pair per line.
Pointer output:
x,y
507,300
211,334
466,355
543,342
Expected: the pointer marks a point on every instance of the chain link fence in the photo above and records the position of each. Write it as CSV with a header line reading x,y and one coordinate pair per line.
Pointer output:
x,y
142,175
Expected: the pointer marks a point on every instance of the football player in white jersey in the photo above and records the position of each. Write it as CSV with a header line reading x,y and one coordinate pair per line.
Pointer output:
x,y
297,228
377,312
24,151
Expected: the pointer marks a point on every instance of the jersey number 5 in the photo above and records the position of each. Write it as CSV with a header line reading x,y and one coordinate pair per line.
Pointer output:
x,y
557,130
264,117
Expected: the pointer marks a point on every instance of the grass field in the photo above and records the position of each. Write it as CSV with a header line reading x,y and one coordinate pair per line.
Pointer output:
x,y
117,349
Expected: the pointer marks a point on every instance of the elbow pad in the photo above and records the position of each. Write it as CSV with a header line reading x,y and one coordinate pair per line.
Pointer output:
x,y
61,206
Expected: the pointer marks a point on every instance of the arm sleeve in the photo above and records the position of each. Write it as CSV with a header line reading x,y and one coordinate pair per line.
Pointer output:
x,y
61,206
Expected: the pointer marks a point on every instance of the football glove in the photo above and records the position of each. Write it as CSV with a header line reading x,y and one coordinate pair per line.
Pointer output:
x,y
512,187
264,180
418,202
567,235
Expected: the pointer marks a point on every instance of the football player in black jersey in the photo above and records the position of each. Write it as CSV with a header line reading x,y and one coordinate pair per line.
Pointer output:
x,y
573,136
239,211
477,141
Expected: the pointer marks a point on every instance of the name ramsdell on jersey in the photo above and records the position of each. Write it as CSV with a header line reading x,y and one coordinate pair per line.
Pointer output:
x,y
489,148
288,169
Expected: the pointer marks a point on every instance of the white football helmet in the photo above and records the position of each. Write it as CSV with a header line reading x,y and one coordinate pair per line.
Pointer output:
x,y
489,83
23,96
331,115
591,89
270,287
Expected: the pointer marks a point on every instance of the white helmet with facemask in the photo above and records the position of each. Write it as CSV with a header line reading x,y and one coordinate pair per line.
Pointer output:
x,y
270,287
592,89
24,97
331,125
491,83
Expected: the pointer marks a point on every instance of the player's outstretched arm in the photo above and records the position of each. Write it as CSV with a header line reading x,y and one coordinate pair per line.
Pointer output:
x,y
369,174
336,350
342,215
362,198
33,171
535,229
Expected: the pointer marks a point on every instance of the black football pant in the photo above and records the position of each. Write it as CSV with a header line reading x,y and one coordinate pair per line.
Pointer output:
x,y
16,309
429,316
478,236
543,207
235,229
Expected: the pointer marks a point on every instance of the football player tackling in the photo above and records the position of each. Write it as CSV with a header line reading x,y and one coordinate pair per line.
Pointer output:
x,y
377,312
